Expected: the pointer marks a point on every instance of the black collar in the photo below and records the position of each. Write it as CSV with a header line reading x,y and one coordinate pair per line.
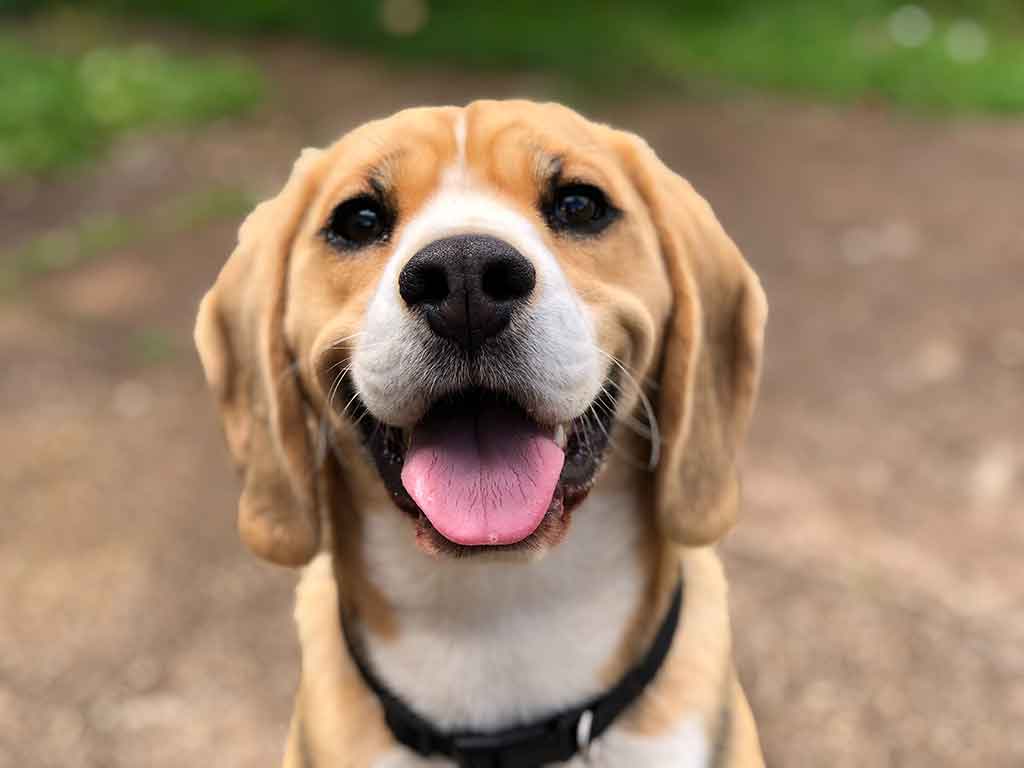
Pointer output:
x,y
554,739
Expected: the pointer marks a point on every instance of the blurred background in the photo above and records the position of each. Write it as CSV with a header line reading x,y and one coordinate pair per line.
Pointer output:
x,y
867,156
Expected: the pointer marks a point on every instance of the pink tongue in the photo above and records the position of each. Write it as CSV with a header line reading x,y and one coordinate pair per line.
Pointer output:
x,y
485,477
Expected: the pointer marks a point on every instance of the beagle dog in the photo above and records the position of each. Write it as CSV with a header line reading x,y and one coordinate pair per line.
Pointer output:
x,y
485,372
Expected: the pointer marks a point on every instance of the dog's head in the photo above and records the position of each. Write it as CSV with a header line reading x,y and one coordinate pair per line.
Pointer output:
x,y
466,304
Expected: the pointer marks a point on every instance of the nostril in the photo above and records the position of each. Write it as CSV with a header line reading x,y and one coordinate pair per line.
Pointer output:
x,y
508,279
434,285
423,284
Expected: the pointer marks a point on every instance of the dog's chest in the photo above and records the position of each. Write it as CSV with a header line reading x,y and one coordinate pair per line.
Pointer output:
x,y
479,648
513,644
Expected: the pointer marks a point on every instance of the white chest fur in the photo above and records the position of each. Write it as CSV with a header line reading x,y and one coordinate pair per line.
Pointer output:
x,y
484,644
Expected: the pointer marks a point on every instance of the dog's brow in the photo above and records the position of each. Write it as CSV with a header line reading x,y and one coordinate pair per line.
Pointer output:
x,y
377,183
550,167
380,175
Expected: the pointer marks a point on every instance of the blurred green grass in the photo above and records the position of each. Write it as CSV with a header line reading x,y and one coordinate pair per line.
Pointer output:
x,y
970,57
939,57
58,109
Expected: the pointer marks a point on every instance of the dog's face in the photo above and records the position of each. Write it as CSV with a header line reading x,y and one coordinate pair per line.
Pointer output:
x,y
467,303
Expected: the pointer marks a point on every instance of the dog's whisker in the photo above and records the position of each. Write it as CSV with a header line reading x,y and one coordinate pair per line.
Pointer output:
x,y
351,400
606,402
652,419
647,380
359,418
337,365
342,343
589,430
617,449
335,386
338,343
334,390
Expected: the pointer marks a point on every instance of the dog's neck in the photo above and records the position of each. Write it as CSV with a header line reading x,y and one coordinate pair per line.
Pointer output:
x,y
484,643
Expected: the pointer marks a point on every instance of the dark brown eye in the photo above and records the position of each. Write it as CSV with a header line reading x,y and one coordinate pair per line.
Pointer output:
x,y
579,208
356,223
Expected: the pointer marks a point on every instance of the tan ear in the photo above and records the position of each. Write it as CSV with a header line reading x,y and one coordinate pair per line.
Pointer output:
x,y
240,337
711,355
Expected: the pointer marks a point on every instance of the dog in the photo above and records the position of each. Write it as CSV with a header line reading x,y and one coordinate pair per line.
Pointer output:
x,y
485,371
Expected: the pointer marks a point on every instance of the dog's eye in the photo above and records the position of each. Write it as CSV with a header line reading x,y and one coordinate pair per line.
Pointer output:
x,y
357,222
579,208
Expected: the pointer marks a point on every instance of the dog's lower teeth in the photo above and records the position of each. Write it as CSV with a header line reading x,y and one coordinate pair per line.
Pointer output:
x,y
560,436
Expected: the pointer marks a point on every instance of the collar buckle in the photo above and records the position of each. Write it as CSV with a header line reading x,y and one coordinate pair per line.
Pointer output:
x,y
583,733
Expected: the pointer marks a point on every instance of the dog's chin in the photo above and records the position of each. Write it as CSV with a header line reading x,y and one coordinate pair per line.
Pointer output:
x,y
582,441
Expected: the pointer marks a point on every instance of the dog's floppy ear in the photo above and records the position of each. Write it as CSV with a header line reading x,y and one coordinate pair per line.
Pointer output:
x,y
240,337
711,355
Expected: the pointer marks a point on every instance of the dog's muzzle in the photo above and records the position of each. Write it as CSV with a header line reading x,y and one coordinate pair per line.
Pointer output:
x,y
473,397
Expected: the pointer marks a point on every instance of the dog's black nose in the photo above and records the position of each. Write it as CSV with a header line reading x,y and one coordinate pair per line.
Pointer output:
x,y
467,286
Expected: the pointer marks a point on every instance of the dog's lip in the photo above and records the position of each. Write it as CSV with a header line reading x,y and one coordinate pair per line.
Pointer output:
x,y
583,445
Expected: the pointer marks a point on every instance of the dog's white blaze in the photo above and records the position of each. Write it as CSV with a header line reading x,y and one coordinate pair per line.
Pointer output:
x,y
566,370
460,141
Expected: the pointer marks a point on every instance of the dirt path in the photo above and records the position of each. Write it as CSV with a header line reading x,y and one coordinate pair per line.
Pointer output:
x,y
876,578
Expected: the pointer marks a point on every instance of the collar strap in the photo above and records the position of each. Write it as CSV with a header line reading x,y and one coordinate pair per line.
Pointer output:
x,y
555,739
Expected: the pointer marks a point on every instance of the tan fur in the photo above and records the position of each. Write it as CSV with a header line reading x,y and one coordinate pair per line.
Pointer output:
x,y
692,675
357,594
690,681
698,664
330,683
712,356
671,298
240,342
745,746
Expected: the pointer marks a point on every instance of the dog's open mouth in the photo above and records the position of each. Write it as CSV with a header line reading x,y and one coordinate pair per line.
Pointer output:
x,y
478,473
